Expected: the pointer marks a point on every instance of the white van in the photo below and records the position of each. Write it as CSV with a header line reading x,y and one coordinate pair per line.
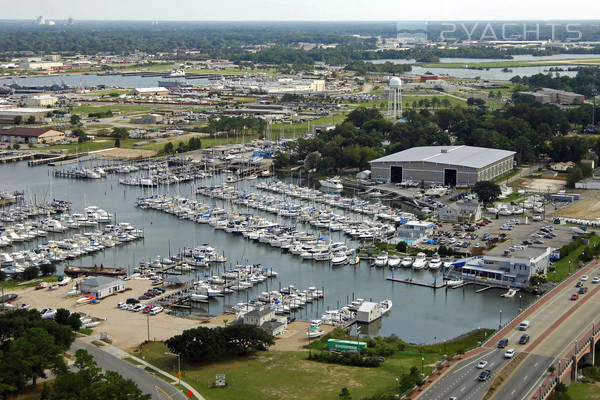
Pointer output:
x,y
524,325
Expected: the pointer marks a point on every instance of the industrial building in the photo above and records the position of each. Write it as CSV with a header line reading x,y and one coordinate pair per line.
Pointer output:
x,y
151,91
8,115
41,101
556,96
31,135
443,165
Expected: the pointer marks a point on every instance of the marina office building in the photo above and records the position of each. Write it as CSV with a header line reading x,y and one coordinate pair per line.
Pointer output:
x,y
514,269
443,165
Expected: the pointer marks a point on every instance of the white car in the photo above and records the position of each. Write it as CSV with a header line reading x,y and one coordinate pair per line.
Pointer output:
x,y
138,307
482,364
156,310
584,278
596,280
122,305
510,353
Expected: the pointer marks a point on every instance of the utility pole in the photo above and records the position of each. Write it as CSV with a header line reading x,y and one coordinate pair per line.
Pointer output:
x,y
148,324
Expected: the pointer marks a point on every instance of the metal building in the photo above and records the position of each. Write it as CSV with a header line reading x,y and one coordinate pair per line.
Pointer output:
x,y
443,165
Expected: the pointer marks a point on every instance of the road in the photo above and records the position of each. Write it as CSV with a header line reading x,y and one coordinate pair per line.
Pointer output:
x,y
554,325
145,381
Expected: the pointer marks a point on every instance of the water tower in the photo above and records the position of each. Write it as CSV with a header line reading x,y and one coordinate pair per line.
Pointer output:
x,y
395,98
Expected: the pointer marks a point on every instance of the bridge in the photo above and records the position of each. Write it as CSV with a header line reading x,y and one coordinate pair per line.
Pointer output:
x,y
564,335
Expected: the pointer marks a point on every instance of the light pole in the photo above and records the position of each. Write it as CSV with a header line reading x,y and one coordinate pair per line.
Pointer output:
x,y
520,303
422,365
500,325
178,364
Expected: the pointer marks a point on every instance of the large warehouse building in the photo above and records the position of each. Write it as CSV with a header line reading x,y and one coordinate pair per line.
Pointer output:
x,y
444,165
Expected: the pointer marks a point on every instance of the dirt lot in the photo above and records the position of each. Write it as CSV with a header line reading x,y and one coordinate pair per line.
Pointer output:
x,y
127,153
588,207
543,185
127,329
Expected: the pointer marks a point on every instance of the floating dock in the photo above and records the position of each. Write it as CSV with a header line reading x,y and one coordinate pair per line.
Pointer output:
x,y
410,281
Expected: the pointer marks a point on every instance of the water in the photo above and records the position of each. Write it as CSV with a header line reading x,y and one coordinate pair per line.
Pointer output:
x,y
127,81
419,314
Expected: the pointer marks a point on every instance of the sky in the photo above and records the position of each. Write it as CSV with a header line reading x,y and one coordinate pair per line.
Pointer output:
x,y
301,10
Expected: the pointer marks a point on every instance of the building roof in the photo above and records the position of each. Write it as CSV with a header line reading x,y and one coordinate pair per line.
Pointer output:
x,y
24,111
25,132
466,156
259,312
367,306
99,281
151,89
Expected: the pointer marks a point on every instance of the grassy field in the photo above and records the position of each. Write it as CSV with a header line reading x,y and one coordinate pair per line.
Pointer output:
x,y
569,263
12,285
408,100
89,108
289,375
584,391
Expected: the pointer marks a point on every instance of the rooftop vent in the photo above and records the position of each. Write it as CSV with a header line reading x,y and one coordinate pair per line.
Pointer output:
x,y
444,150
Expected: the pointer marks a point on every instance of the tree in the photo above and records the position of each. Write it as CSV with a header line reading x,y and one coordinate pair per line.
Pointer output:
x,y
487,191
574,175
169,148
30,120
120,132
75,119
117,142
48,269
18,120
31,272
36,352
312,160
402,247
345,394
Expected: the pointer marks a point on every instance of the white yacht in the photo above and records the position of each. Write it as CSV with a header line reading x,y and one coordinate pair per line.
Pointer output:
x,y
332,183
339,258
382,259
435,262
393,261
420,261
406,262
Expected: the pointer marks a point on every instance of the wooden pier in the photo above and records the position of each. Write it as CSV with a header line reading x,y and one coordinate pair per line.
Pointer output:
x,y
52,158
433,285
6,157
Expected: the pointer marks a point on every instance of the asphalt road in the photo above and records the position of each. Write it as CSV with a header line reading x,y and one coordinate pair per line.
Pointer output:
x,y
461,381
145,381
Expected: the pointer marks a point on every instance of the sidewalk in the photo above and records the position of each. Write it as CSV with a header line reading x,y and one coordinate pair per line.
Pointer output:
x,y
121,354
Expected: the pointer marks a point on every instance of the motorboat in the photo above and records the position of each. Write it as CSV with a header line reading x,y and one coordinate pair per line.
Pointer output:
x,y
382,259
454,282
435,262
393,261
406,262
339,259
48,313
386,306
64,281
332,183
353,259
314,332
420,261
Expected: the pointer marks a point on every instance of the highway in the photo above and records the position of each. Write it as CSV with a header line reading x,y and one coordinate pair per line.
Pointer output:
x,y
554,326
145,381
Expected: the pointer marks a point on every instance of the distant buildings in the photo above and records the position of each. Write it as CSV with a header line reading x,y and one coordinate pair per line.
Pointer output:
x,y
555,96
31,135
8,115
149,119
41,65
101,286
151,91
41,101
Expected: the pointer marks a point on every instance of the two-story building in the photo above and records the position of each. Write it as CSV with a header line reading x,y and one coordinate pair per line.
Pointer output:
x,y
460,211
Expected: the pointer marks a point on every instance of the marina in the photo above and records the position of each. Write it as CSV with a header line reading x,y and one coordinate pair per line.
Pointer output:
x,y
165,232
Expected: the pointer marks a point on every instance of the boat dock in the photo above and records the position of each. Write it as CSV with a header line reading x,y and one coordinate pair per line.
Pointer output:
x,y
52,158
410,281
73,174
14,156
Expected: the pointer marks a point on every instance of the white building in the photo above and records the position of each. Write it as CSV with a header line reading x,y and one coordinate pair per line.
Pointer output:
x,y
40,65
368,312
459,211
41,101
101,286
415,229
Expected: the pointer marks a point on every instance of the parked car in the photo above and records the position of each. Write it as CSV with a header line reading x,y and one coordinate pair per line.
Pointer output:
x,y
138,308
524,339
131,300
156,310
143,297
122,305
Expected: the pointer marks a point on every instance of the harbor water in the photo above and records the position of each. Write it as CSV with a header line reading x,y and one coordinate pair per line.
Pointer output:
x,y
419,314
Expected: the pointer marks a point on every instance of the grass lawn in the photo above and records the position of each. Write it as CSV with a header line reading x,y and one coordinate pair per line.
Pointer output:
x,y
12,284
300,128
289,375
90,108
584,391
562,266
512,63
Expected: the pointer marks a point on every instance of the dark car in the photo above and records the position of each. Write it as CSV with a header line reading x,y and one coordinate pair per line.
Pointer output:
x,y
131,300
503,343
583,290
579,284
143,297
524,339
485,375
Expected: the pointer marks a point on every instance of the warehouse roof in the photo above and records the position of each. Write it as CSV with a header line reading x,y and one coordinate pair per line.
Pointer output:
x,y
466,156
26,132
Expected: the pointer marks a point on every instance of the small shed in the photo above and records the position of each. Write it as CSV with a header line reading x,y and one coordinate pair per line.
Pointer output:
x,y
368,312
101,286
